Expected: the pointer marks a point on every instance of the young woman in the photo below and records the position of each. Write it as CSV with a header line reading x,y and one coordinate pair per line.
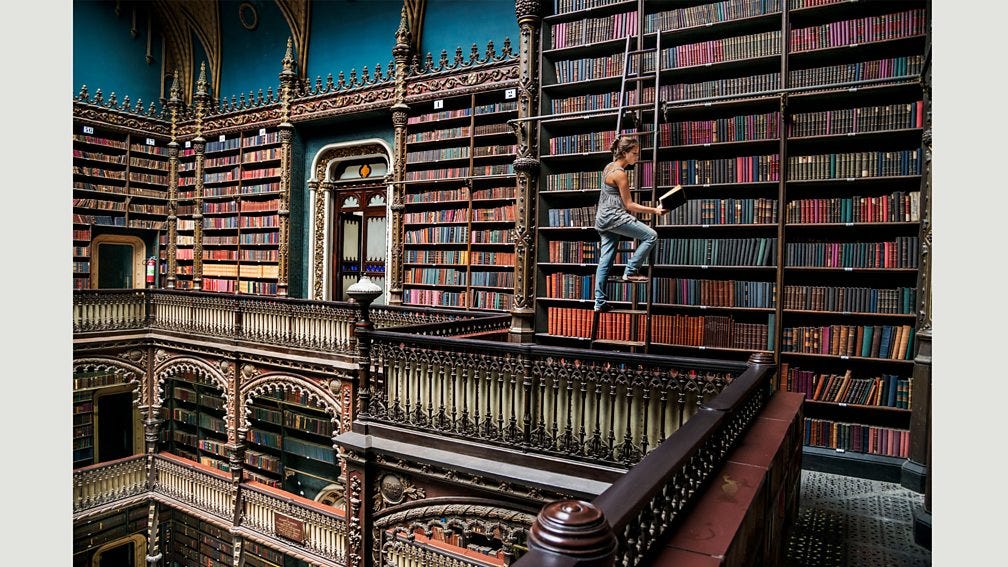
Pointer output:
x,y
614,217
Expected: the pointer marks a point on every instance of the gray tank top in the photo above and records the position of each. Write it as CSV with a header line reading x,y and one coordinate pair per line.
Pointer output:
x,y
610,212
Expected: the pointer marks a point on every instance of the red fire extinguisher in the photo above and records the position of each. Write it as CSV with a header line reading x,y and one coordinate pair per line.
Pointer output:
x,y
151,266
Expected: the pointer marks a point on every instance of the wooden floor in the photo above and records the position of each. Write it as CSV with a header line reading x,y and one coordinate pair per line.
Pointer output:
x,y
852,522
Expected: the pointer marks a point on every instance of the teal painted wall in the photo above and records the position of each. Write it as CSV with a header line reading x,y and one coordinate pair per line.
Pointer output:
x,y
106,57
349,34
460,23
251,59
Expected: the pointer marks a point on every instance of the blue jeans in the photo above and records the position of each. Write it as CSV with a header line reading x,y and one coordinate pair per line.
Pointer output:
x,y
607,251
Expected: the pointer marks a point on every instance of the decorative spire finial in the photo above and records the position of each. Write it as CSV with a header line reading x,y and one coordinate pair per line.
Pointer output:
x,y
288,62
201,82
174,93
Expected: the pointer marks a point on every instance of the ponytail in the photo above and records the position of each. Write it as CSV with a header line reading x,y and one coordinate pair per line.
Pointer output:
x,y
622,145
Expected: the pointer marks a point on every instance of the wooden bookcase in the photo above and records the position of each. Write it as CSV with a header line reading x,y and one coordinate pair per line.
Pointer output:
x,y
795,127
192,541
459,205
195,427
240,207
120,185
289,445
83,428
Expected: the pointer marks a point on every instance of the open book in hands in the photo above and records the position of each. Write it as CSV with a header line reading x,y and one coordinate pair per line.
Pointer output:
x,y
672,198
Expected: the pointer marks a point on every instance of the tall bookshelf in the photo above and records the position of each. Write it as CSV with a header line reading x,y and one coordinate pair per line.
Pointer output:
x,y
120,184
795,128
240,207
195,425
289,444
83,428
459,205
192,541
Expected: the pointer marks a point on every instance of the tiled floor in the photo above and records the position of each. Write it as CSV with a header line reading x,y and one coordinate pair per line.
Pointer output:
x,y
852,522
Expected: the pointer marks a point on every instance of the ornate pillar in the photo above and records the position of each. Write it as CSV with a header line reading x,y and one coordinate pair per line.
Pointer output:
x,y
287,78
526,166
152,430
916,473
401,53
199,149
174,105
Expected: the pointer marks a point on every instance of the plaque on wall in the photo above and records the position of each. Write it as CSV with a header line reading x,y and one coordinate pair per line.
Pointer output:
x,y
288,528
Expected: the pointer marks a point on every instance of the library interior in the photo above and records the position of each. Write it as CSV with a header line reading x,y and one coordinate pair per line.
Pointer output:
x,y
335,298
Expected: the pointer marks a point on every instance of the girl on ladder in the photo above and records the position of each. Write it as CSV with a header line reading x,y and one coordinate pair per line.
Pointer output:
x,y
614,217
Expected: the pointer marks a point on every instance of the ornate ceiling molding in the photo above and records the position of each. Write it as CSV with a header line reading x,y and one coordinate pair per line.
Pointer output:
x,y
415,12
181,20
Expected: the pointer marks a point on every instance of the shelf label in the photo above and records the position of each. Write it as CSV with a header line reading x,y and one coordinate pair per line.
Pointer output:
x,y
438,104
851,133
848,269
848,224
262,131
89,130
150,141
188,144
702,347
852,90
839,450
706,185
706,144
842,404
705,226
850,179
510,93
844,357
221,139
708,103
703,307
703,266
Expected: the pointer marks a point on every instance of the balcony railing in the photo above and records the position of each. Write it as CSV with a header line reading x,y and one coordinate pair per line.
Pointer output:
x,y
323,326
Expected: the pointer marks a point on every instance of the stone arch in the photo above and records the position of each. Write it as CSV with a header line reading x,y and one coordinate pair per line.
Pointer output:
x,y
131,374
321,203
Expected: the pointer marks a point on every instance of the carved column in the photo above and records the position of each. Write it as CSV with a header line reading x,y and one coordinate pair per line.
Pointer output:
x,y
287,78
315,202
152,430
401,53
174,106
358,507
526,166
199,148
916,473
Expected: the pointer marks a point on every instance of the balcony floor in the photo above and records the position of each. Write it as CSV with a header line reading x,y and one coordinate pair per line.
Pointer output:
x,y
846,521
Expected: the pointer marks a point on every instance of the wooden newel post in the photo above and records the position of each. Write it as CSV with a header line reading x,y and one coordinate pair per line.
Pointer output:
x,y
364,292
574,529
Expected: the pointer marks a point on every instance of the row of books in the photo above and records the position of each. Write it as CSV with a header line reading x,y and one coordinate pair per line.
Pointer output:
x,y
708,52
894,342
702,212
709,14
730,129
582,143
854,164
861,119
902,252
760,251
591,30
857,438
573,217
899,206
887,390
901,300
890,68
742,169
859,31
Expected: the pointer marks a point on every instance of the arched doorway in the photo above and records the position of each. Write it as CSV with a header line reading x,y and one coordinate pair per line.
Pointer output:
x,y
349,207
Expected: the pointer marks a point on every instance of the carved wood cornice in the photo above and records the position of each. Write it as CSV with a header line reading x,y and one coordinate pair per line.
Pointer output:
x,y
471,81
354,102
119,120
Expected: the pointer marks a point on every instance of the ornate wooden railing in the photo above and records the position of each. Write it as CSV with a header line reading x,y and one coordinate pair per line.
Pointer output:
x,y
108,483
644,505
582,404
324,326
198,486
322,529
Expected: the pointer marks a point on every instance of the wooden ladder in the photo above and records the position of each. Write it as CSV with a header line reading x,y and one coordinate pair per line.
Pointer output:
x,y
630,120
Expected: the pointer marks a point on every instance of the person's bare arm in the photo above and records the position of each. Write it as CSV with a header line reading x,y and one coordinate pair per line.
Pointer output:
x,y
619,178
